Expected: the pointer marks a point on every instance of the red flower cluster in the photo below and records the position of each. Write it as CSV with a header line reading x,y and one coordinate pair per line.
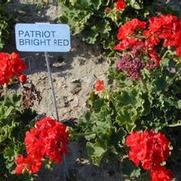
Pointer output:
x,y
120,4
129,28
99,85
49,139
11,65
161,174
149,149
30,163
155,148
164,30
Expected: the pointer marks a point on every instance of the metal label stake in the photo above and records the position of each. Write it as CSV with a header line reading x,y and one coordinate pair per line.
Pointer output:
x,y
51,85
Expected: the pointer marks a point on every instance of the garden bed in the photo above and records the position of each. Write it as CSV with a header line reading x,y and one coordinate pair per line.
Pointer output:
x,y
113,97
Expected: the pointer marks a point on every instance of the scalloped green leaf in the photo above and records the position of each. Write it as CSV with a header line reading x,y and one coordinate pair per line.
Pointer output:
x,y
96,152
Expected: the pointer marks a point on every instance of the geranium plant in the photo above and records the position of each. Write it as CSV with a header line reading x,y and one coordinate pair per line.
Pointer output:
x,y
97,21
142,100
15,119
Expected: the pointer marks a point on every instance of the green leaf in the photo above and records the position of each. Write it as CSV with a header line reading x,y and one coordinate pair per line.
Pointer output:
x,y
73,2
135,4
179,104
90,136
96,152
128,168
9,111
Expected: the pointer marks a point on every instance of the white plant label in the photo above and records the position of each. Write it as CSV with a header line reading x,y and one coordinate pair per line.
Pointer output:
x,y
42,37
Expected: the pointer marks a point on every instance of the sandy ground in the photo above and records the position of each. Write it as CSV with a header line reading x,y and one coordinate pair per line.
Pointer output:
x,y
73,73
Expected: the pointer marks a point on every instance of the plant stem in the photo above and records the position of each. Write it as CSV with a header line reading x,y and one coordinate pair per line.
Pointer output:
x,y
174,125
82,134
144,84
172,79
166,52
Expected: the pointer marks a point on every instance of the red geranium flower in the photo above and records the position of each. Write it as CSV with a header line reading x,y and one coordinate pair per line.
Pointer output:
x,y
126,43
21,164
178,51
28,163
161,174
129,28
11,65
148,148
120,5
166,28
22,78
99,85
49,139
